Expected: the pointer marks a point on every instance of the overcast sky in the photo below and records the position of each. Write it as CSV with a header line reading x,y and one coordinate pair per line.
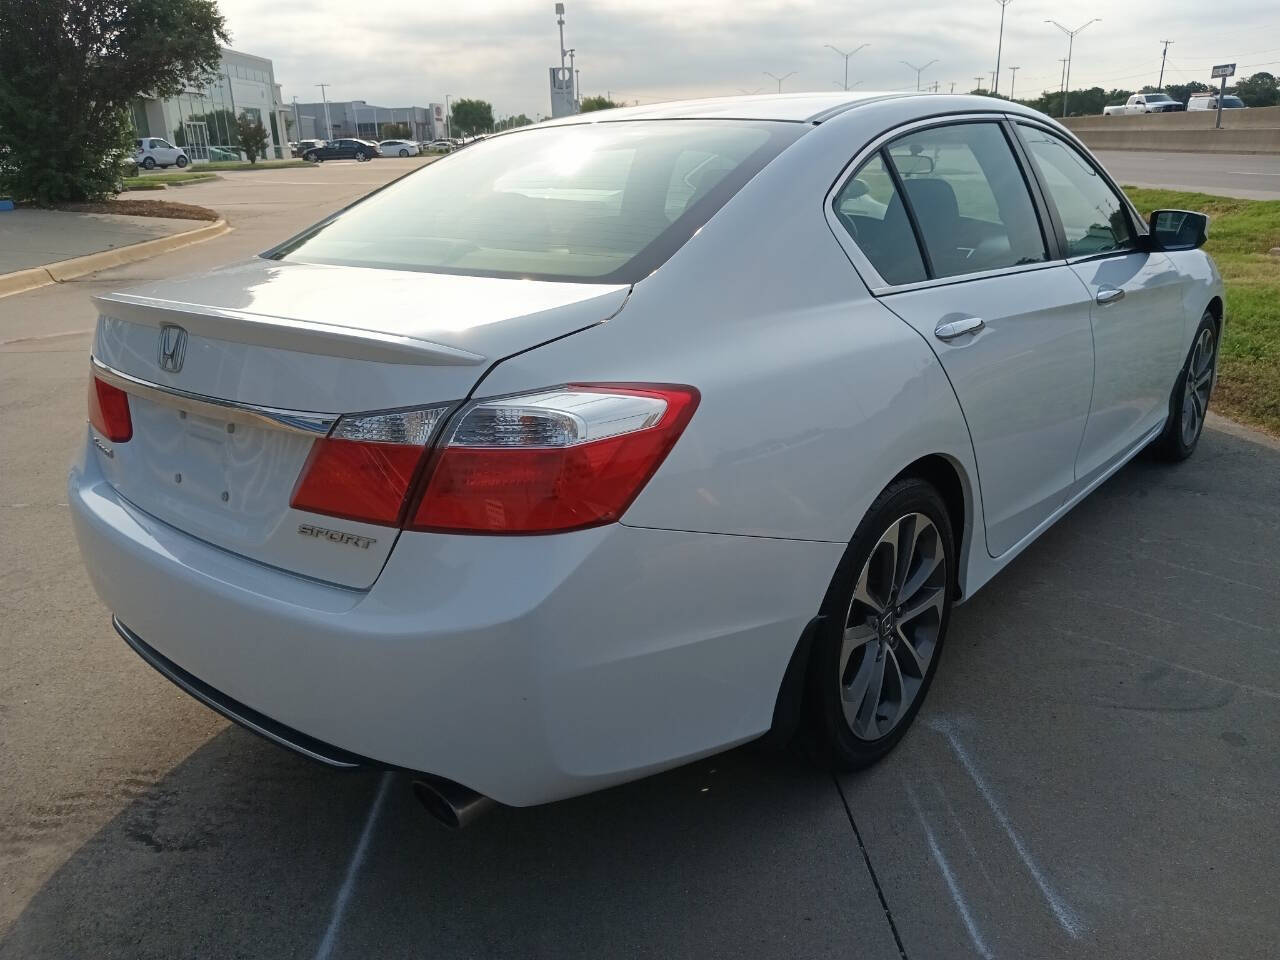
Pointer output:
x,y
398,52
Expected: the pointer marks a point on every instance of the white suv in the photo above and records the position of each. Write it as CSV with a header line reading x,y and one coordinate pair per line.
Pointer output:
x,y
152,152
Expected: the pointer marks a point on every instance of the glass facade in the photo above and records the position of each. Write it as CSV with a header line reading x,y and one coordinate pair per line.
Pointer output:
x,y
203,119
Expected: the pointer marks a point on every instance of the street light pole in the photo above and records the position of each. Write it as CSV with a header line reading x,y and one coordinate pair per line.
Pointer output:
x,y
1000,44
297,121
328,124
448,118
779,79
1164,55
1071,39
919,70
1013,71
846,58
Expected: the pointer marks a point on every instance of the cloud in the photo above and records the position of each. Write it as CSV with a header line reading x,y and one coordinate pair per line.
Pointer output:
x,y
397,52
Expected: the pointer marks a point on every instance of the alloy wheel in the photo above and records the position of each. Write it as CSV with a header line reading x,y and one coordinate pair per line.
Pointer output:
x,y
892,626
1195,402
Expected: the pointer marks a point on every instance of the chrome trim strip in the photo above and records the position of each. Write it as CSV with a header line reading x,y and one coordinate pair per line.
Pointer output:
x,y
306,422
233,711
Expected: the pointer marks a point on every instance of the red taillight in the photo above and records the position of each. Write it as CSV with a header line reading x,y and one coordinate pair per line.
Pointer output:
x,y
554,461
109,411
363,470
358,481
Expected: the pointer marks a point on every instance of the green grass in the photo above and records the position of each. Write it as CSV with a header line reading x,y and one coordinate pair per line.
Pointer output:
x,y
260,165
142,183
1241,232
133,182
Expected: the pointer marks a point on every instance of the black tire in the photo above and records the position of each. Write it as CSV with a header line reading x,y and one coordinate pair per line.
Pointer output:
x,y
311,158
148,163
182,162
1180,437
404,153
361,157
832,682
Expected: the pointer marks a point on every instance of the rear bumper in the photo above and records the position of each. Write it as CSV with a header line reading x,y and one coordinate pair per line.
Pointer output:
x,y
526,668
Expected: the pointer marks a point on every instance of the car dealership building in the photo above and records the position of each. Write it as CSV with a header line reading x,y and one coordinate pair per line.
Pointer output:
x,y
202,119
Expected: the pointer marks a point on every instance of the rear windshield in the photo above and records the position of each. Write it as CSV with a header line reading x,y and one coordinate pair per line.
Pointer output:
x,y
602,202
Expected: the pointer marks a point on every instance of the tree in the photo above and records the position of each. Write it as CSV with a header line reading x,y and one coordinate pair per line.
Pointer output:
x,y
394,131
1259,90
597,103
68,72
252,136
510,123
470,117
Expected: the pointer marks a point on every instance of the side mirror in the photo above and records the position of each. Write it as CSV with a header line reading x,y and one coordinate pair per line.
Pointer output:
x,y
1178,230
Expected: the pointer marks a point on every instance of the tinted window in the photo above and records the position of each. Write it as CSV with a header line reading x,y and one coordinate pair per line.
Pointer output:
x,y
870,209
604,202
969,198
1093,216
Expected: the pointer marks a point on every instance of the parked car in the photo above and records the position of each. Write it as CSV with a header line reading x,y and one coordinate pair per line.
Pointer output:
x,y
399,148
302,146
1209,101
152,152
635,480
346,148
1144,103
440,145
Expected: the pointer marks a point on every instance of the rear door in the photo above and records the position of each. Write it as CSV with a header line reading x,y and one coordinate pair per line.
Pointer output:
x,y
951,229
1136,311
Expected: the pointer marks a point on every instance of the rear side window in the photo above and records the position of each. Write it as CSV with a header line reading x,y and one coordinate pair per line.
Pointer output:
x,y
969,197
871,209
1093,216
601,202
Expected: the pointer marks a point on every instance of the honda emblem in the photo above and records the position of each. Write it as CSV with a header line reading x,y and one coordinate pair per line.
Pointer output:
x,y
173,346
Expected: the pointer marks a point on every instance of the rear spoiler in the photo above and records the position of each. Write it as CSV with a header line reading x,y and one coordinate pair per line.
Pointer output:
x,y
286,333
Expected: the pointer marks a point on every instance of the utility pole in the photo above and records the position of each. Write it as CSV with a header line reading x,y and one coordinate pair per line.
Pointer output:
x,y
1000,44
560,21
1071,39
1164,55
846,58
297,122
779,79
919,70
953,86
448,118
979,79
1013,75
328,124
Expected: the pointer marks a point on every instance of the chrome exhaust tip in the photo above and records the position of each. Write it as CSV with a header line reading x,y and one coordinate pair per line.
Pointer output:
x,y
451,803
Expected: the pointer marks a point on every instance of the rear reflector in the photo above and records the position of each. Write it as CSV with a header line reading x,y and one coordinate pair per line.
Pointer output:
x,y
109,411
365,468
558,460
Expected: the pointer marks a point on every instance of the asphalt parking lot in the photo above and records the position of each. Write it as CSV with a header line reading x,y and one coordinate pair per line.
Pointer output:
x,y
1095,774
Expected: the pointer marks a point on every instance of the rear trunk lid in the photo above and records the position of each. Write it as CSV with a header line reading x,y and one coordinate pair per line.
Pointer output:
x,y
272,353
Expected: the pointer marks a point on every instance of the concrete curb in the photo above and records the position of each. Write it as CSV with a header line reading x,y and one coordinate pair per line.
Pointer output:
x,y
23,280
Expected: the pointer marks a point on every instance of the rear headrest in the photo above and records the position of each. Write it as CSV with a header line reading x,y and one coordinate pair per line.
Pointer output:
x,y
933,198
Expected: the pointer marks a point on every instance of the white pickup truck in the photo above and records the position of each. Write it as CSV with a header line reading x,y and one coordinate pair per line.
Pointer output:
x,y
1144,103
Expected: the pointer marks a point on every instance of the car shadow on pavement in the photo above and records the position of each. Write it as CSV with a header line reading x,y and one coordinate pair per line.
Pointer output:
x,y
242,851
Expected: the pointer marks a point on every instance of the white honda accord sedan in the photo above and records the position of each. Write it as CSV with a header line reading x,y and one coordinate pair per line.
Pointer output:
x,y
613,442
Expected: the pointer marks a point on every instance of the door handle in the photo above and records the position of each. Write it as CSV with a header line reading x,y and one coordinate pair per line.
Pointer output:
x,y
958,328
1110,295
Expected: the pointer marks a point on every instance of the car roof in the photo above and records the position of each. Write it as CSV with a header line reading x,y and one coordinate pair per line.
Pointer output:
x,y
812,107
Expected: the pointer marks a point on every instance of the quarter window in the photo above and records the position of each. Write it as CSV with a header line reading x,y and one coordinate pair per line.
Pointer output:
x,y
1093,216
870,208
969,198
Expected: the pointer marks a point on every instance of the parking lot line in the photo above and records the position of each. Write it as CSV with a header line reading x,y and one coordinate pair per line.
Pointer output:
x,y
325,949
